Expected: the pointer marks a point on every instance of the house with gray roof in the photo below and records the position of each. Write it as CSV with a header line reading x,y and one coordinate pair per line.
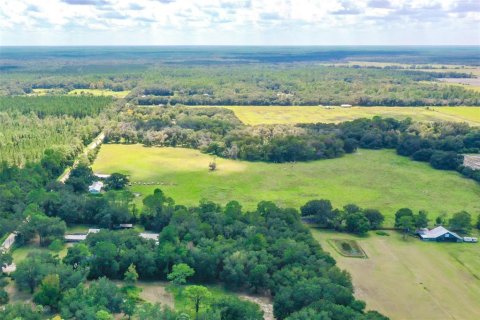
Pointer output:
x,y
439,234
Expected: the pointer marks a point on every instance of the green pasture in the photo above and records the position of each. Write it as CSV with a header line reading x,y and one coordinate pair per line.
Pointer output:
x,y
373,179
20,253
255,115
412,279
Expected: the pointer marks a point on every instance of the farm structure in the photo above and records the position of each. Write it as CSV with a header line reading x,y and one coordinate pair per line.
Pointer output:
x,y
439,234
96,187
78,237
101,175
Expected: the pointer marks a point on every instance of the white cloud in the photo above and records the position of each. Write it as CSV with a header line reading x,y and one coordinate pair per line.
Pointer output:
x,y
239,21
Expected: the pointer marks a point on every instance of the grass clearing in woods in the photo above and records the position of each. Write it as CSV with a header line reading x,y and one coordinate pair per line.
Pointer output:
x,y
20,253
369,178
255,115
100,92
412,279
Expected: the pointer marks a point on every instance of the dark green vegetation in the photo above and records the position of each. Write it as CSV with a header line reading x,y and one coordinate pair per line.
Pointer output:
x,y
31,125
267,251
76,107
351,218
298,85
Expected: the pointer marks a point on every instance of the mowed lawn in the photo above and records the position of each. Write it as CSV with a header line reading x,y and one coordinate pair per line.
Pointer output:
x,y
413,279
255,115
374,179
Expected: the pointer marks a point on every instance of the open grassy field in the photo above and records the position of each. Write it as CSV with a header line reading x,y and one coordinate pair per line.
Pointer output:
x,y
100,92
43,92
413,279
20,253
254,115
468,114
375,179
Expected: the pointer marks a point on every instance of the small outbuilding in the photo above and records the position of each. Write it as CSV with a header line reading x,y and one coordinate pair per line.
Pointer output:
x,y
102,175
96,187
439,234
123,226
75,237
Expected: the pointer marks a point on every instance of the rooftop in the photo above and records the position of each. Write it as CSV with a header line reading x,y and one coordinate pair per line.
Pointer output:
x,y
436,232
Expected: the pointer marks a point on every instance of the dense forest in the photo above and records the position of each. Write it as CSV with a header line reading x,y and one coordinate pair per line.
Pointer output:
x,y
31,125
299,85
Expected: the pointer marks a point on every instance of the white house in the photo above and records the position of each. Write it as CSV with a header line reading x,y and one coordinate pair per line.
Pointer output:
x,y
96,187
346,105
77,237
439,234
101,175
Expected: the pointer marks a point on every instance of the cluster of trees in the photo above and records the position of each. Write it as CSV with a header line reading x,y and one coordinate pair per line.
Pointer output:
x,y
298,85
266,251
57,287
172,126
60,78
5,260
34,204
43,106
219,132
25,137
30,125
408,221
351,218
21,189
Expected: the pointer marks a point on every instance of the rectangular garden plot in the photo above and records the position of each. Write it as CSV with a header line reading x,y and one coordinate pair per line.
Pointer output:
x,y
348,248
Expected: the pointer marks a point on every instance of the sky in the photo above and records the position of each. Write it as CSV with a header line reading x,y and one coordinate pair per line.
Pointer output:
x,y
239,22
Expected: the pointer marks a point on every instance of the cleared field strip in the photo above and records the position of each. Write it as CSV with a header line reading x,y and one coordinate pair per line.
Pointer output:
x,y
255,115
413,279
100,92
373,179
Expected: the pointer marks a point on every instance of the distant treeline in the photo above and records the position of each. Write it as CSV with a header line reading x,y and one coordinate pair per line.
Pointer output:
x,y
254,84
299,85
211,55
31,125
